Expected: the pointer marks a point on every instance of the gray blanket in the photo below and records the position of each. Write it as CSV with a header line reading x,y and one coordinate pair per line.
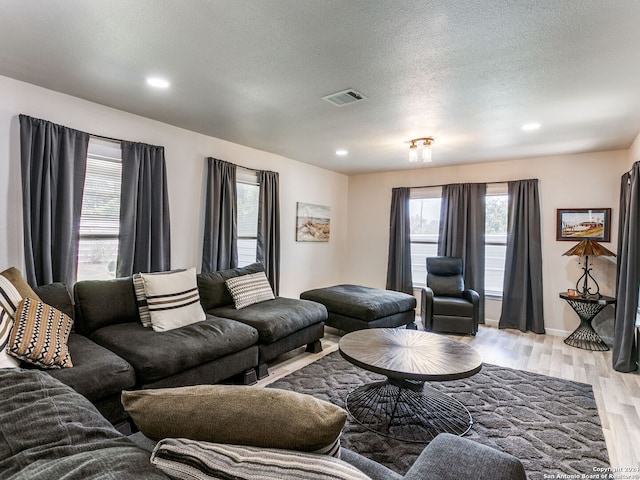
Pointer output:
x,y
48,431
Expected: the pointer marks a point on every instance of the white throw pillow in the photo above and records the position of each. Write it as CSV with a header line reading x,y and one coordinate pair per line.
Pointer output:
x,y
9,300
172,299
249,289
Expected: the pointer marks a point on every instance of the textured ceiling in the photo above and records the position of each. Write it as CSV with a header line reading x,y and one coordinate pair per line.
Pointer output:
x,y
468,73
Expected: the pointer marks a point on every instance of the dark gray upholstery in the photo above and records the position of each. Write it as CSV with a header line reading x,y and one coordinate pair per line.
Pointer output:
x,y
157,355
100,303
449,457
214,292
446,305
277,318
283,324
98,374
48,431
354,307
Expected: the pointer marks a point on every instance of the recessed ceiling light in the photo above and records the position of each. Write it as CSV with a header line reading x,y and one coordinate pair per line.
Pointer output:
x,y
341,153
529,127
158,82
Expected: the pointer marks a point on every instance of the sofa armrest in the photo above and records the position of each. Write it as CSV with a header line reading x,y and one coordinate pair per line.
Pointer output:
x,y
372,469
473,297
426,307
449,457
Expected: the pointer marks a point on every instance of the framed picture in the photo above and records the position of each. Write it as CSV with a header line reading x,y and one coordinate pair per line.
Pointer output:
x,y
583,224
313,223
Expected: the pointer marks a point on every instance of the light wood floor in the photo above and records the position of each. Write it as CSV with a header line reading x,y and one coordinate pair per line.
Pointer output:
x,y
617,394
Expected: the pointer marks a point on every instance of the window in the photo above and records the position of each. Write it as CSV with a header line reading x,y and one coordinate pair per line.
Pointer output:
x,y
424,212
100,216
248,198
495,243
424,207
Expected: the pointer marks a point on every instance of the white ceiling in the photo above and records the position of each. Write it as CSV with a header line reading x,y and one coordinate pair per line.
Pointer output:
x,y
469,73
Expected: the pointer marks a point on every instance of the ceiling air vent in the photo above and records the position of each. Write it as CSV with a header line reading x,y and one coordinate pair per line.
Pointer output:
x,y
345,97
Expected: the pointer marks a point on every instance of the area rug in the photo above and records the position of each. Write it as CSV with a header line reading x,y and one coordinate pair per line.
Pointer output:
x,y
551,425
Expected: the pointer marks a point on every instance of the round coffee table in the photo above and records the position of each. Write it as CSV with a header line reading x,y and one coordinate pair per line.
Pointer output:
x,y
402,406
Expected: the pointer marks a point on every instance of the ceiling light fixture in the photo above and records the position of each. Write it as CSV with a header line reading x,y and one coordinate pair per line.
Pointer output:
x,y
341,153
157,82
529,127
426,149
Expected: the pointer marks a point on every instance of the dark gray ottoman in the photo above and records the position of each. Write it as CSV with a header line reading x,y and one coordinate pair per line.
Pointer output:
x,y
353,307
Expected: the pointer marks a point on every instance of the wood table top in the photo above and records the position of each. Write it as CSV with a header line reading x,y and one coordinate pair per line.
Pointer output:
x,y
410,354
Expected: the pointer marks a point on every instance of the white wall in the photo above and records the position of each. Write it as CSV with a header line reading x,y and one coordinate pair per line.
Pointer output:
x,y
634,152
570,181
304,265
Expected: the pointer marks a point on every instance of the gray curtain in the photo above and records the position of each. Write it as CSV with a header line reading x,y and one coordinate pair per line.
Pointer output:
x,y
53,160
625,349
144,241
399,261
220,249
268,252
462,226
522,293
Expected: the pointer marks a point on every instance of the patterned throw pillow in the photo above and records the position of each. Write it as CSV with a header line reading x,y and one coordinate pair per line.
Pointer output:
x,y
13,288
141,299
249,289
172,299
182,458
39,335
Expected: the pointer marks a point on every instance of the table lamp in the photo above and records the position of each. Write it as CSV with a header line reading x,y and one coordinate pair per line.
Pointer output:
x,y
588,248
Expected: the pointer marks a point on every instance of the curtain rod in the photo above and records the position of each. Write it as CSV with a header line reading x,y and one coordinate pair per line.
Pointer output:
x,y
477,183
111,139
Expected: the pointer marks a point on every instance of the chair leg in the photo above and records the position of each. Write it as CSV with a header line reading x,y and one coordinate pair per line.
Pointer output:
x,y
262,371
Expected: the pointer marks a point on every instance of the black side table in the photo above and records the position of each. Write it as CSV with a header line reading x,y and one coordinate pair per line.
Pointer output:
x,y
587,307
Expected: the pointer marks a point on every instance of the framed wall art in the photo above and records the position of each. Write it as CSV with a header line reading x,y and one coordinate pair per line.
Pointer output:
x,y
313,222
575,224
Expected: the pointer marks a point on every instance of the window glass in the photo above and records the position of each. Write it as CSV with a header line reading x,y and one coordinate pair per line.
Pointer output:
x,y
495,240
100,216
424,211
248,198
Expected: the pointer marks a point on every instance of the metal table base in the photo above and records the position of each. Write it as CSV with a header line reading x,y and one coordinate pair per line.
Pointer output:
x,y
407,410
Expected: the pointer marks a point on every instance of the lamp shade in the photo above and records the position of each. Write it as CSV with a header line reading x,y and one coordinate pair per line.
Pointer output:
x,y
589,248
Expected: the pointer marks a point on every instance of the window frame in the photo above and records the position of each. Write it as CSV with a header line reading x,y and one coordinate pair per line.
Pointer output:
x,y
102,151
494,190
248,177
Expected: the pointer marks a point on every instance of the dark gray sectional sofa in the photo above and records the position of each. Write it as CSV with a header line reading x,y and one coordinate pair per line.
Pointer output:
x,y
112,351
282,324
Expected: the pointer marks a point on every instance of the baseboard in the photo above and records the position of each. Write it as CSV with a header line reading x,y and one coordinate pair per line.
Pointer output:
x,y
490,322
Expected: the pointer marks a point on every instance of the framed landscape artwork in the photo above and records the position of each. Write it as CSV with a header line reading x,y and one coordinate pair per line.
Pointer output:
x,y
313,223
584,224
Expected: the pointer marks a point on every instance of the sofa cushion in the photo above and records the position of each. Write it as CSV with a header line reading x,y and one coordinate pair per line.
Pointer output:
x,y
205,461
172,299
104,302
249,289
275,319
238,415
141,299
364,303
56,295
452,307
157,355
39,335
212,287
97,373
49,431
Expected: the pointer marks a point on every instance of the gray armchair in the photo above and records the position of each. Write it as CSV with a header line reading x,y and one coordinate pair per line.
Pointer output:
x,y
446,305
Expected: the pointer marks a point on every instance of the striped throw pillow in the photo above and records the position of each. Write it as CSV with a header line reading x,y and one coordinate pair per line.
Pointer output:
x,y
141,300
172,299
249,289
39,335
11,282
182,458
